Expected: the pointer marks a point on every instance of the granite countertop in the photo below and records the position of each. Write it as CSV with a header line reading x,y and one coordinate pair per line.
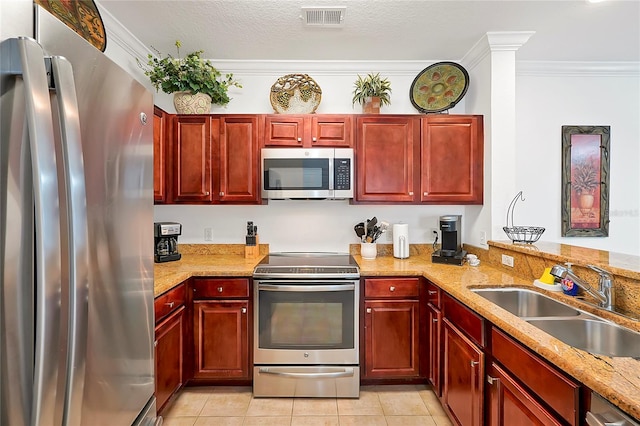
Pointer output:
x,y
617,379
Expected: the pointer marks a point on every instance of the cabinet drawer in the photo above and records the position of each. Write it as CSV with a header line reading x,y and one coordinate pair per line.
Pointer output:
x,y
558,391
433,294
395,288
169,302
220,288
464,319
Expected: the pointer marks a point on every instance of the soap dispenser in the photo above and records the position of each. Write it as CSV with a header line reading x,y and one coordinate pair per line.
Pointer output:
x,y
568,286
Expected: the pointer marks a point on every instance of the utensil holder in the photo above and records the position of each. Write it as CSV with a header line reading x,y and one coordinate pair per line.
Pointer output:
x,y
368,250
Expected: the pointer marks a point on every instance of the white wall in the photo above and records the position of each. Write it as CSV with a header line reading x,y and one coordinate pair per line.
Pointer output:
x,y
571,94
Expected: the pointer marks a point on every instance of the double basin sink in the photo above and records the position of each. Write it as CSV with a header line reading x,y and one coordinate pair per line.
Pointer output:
x,y
572,326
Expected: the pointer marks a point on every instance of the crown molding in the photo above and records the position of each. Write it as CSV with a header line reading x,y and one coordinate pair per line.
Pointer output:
x,y
495,41
575,69
267,67
120,35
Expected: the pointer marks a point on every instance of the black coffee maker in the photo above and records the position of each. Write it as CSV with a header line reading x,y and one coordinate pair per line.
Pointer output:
x,y
451,250
166,241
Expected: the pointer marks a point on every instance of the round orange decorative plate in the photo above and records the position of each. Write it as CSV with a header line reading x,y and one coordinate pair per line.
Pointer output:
x,y
439,87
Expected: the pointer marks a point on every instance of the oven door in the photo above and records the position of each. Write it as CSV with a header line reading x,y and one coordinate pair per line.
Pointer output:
x,y
306,322
297,173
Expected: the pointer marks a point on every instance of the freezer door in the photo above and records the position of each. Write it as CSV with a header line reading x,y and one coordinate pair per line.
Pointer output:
x,y
118,160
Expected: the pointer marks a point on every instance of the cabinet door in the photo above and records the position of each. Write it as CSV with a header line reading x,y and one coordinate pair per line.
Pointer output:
x,y
192,159
511,404
159,155
434,320
387,151
239,160
452,159
221,338
168,356
284,130
391,339
331,130
463,392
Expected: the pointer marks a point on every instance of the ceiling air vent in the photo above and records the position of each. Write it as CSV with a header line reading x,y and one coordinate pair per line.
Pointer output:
x,y
324,16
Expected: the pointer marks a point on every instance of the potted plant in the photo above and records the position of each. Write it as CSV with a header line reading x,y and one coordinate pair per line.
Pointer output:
x,y
372,92
585,182
195,82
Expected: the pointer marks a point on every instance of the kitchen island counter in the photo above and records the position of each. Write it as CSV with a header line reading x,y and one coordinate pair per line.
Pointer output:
x,y
615,378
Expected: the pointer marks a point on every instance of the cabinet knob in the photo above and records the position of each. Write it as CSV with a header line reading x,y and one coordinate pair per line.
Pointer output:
x,y
220,289
435,320
432,292
314,139
170,304
222,193
425,193
492,380
474,363
206,193
410,192
299,139
368,310
244,310
392,288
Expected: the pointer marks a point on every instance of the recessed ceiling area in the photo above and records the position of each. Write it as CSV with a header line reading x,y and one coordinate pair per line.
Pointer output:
x,y
383,30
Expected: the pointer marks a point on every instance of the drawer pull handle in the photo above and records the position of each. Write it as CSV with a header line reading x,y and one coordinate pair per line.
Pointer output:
x,y
220,289
368,310
244,310
392,288
435,320
492,380
474,363
432,292
170,304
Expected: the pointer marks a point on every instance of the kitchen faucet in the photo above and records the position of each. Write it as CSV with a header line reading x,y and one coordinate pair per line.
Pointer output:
x,y
605,294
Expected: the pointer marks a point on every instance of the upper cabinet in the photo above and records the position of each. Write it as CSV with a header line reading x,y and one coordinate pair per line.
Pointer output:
x,y
309,130
160,123
451,163
216,159
387,149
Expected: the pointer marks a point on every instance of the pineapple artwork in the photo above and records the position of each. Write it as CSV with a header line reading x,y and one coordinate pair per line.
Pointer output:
x,y
585,181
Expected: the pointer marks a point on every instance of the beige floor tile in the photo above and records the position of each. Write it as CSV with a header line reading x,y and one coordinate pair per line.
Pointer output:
x,y
433,403
442,420
260,407
188,403
219,421
410,421
367,404
227,404
231,389
402,403
267,421
178,421
315,407
314,421
362,421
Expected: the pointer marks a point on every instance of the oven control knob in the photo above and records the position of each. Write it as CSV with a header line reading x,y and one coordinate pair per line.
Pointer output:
x,y
306,354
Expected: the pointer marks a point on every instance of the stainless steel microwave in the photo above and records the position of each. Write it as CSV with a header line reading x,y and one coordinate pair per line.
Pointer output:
x,y
307,173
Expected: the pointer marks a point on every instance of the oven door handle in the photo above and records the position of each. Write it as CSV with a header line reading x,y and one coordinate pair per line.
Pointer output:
x,y
308,288
331,375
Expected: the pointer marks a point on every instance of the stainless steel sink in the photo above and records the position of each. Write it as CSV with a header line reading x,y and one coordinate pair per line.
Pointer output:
x,y
527,303
592,335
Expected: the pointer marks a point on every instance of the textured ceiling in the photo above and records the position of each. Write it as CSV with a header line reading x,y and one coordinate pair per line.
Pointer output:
x,y
382,30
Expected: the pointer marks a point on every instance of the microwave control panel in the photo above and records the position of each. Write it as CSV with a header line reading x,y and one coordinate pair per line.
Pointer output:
x,y
342,173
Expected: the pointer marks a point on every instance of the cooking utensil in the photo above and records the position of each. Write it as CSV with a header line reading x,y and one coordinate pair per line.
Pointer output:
x,y
360,230
370,228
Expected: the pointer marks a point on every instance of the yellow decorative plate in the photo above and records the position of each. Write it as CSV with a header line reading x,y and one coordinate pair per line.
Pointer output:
x,y
295,94
439,87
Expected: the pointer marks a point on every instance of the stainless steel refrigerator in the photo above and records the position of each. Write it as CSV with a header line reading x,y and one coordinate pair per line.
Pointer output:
x,y
76,243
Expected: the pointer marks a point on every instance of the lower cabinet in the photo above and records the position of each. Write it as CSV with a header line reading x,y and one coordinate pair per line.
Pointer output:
x,y
221,329
391,328
434,351
463,387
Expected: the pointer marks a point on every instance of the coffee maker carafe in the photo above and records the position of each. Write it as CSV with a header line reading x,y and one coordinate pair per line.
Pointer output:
x,y
451,250
166,241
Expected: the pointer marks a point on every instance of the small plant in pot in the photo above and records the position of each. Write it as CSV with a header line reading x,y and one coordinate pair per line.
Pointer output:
x,y
372,92
585,182
195,82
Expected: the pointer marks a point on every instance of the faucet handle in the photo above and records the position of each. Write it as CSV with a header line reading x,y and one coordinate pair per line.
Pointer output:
x,y
602,272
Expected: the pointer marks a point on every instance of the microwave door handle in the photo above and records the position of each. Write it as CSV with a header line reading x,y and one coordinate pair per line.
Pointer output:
x,y
332,176
306,288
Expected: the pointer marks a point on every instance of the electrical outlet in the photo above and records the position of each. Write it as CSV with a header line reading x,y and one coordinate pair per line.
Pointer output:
x,y
483,237
208,234
507,260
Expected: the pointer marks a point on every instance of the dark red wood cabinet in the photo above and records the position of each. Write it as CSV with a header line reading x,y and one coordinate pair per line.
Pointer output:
x,y
161,121
434,333
308,130
192,159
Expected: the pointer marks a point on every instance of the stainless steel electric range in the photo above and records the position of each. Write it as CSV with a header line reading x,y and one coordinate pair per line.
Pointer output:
x,y
306,326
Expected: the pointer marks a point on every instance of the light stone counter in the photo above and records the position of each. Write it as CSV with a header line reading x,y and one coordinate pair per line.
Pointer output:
x,y
617,379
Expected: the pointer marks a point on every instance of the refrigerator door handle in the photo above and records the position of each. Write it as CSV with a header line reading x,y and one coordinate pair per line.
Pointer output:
x,y
76,252
27,60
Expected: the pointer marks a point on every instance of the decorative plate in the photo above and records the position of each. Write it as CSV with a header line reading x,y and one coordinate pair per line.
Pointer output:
x,y
295,94
439,87
82,17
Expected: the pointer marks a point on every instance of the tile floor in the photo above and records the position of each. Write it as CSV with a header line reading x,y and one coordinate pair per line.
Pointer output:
x,y
404,405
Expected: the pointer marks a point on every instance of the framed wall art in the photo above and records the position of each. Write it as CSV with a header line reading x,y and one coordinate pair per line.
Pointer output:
x,y
82,16
585,181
